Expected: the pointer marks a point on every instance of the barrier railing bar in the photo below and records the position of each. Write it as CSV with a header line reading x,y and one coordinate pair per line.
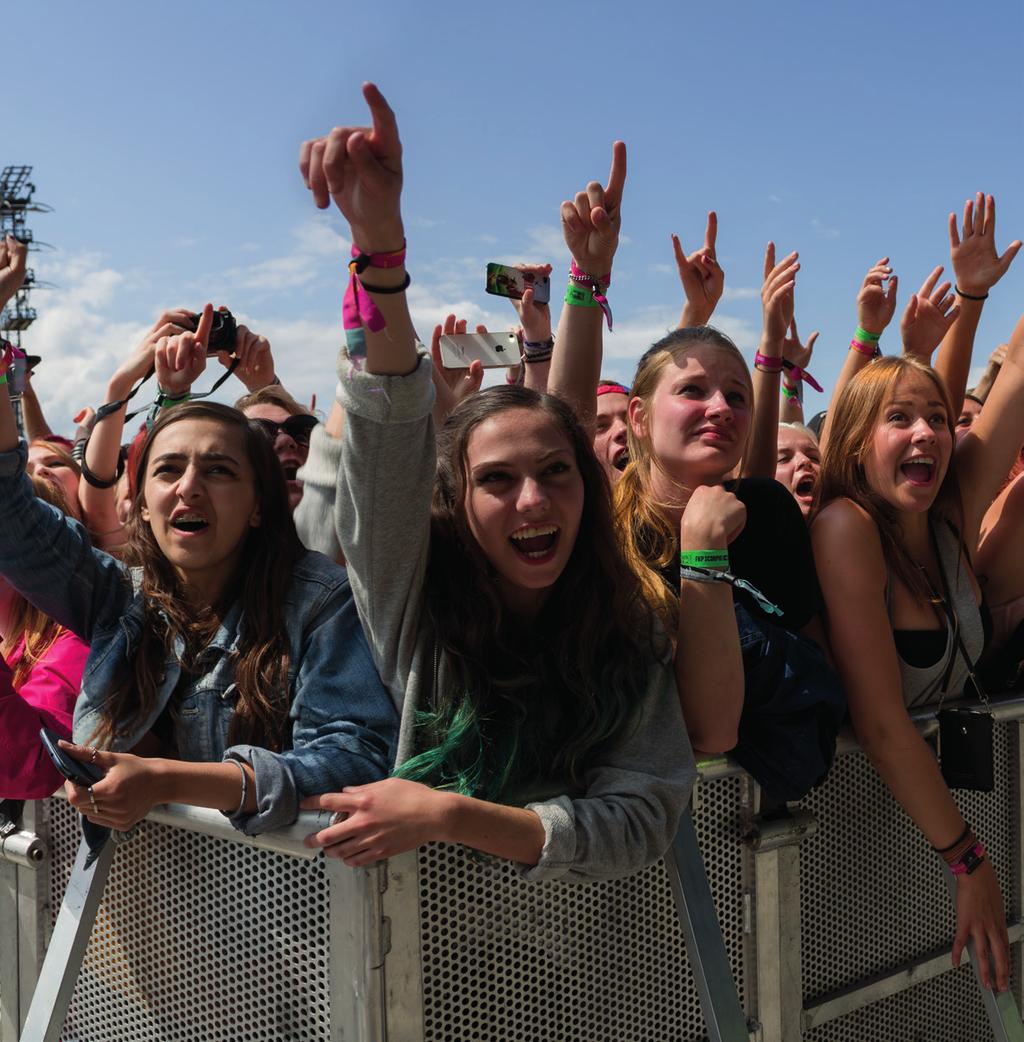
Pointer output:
x,y
287,841
67,947
924,720
723,1015
873,989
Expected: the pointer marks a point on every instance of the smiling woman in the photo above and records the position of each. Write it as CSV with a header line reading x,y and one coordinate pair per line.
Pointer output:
x,y
227,669
540,721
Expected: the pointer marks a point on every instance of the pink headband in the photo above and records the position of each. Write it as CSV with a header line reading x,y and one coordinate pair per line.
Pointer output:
x,y
612,389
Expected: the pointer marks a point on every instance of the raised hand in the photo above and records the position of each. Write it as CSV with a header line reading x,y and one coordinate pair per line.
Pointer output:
x,y
535,318
255,361
713,518
928,316
876,303
13,259
181,359
140,362
977,264
796,352
360,168
701,275
452,385
777,297
592,221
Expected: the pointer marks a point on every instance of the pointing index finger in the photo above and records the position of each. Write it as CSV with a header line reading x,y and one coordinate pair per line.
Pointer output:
x,y
616,176
205,325
384,140
711,234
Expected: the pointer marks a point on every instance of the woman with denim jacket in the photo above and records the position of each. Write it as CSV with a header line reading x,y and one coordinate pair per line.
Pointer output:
x,y
228,669
540,719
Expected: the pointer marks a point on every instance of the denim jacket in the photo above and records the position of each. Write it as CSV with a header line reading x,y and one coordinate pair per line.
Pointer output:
x,y
344,723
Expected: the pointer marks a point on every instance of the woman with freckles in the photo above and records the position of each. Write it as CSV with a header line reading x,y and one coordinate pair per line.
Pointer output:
x,y
540,722
894,540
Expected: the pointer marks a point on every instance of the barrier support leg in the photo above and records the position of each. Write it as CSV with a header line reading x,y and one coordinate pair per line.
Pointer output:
x,y
723,1015
67,947
775,842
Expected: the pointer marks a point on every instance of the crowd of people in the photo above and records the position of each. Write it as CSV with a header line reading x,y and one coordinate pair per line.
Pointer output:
x,y
511,618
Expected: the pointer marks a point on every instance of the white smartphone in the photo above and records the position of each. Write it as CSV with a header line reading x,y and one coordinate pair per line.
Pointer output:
x,y
492,350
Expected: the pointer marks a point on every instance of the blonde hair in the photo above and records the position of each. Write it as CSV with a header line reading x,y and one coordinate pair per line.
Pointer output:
x,y
854,421
650,542
27,621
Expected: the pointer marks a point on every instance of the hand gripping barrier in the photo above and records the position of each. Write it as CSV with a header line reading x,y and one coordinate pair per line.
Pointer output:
x,y
834,922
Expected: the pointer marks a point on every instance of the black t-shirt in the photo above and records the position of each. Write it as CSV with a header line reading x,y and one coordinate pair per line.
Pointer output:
x,y
773,552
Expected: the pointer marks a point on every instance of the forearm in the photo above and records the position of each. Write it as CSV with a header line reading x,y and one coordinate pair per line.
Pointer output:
x,y
576,362
32,413
953,362
762,451
694,316
215,785
506,832
988,378
709,666
537,376
908,767
791,408
101,455
855,361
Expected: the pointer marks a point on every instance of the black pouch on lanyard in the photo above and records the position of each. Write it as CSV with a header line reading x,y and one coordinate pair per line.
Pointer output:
x,y
966,756
965,749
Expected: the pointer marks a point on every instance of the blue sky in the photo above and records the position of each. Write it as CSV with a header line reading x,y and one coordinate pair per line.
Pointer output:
x,y
166,137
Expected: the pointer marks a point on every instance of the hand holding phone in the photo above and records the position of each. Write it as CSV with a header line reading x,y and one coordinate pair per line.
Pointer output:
x,y
505,281
82,774
492,350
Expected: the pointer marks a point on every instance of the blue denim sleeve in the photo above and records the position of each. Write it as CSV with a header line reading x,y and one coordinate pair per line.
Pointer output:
x,y
49,559
344,722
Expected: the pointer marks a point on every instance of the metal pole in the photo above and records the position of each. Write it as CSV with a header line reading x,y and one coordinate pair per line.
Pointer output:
x,y
723,1015
67,946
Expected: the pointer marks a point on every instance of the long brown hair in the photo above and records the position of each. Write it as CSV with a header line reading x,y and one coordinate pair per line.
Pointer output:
x,y
532,700
26,620
855,417
261,584
649,541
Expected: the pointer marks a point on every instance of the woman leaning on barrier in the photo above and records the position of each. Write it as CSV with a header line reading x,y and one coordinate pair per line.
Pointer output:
x,y
40,674
539,725
894,543
227,669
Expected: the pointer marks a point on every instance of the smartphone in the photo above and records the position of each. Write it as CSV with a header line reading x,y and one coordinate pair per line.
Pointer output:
x,y
16,373
83,774
505,281
492,350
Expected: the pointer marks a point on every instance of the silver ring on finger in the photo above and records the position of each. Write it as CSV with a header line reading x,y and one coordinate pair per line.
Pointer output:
x,y
95,753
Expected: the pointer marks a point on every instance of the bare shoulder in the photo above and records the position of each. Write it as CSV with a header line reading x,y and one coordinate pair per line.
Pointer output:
x,y
847,544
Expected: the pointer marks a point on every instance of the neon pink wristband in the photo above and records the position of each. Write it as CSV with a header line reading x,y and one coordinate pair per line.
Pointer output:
x,y
358,308
968,861
794,372
865,349
767,364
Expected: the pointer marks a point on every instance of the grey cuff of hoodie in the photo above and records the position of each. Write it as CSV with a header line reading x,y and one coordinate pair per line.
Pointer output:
x,y
314,516
387,399
277,799
559,851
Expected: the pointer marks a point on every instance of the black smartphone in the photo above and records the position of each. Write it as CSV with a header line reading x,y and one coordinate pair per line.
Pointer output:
x,y
83,774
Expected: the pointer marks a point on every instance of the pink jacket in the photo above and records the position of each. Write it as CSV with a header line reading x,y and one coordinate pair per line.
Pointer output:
x,y
46,699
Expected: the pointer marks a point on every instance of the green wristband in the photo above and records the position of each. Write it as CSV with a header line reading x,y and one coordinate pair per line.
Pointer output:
x,y
862,334
791,392
580,297
716,559
3,379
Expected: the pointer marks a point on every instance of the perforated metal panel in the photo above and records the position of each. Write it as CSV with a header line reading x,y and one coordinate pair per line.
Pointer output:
x,y
873,896
200,938
504,960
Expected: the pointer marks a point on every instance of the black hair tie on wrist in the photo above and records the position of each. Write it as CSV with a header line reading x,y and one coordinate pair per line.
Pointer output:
x,y
400,288
968,296
95,481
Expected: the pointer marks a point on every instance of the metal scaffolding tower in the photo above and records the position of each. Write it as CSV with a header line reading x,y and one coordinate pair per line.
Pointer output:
x,y
16,202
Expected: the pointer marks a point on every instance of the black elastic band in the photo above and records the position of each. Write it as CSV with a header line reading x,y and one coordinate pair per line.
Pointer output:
x,y
95,481
968,296
401,288
956,842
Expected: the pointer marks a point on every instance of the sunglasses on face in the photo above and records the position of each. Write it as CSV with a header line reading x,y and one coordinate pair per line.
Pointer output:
x,y
298,428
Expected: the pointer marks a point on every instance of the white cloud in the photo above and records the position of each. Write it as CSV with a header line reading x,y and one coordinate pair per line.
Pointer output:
x,y
545,244
824,231
741,293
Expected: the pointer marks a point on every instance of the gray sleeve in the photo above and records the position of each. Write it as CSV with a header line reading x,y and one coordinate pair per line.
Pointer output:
x,y
314,516
384,489
629,814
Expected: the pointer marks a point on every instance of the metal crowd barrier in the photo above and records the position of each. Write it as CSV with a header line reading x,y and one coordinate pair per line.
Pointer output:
x,y
834,923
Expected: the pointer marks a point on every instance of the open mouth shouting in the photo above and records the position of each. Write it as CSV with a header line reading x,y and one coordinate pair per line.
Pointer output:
x,y
535,544
189,522
620,459
920,471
